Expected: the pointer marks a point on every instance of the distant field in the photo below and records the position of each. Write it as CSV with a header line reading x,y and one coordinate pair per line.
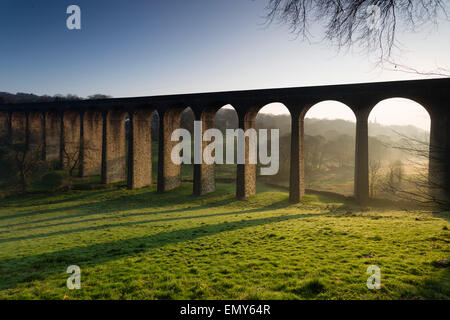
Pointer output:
x,y
143,245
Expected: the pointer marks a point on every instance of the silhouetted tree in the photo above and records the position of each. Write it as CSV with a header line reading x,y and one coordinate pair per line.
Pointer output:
x,y
422,189
350,23
19,165
99,96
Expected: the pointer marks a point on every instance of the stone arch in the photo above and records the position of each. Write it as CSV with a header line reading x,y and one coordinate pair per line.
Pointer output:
x,y
246,172
389,150
404,104
328,156
169,173
275,115
205,172
329,105
226,117
187,121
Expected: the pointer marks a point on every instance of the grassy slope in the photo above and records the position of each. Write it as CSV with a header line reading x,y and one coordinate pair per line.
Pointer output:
x,y
143,245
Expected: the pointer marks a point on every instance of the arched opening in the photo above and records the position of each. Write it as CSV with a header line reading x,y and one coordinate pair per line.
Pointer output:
x,y
226,118
329,148
187,122
399,138
273,125
171,173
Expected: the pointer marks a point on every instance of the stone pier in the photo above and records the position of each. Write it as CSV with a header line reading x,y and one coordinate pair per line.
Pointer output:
x,y
36,133
70,146
439,157
140,148
52,135
361,179
114,146
169,173
246,173
297,178
91,143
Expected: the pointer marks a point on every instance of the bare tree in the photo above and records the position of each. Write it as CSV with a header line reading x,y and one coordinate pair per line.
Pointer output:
x,y
421,187
20,165
72,158
374,169
368,24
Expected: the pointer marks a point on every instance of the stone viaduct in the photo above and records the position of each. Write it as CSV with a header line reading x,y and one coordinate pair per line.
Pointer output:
x,y
96,129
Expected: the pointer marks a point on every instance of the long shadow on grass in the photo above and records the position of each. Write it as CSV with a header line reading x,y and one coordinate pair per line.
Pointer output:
x,y
122,215
40,198
125,202
272,206
276,205
435,287
25,269
442,215
133,201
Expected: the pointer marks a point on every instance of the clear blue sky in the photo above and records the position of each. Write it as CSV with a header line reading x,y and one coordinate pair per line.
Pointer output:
x,y
141,47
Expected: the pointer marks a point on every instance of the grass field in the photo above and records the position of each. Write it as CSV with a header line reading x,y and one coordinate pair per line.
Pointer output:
x,y
143,245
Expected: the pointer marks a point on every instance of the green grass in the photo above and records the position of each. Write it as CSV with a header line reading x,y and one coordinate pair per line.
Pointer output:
x,y
143,245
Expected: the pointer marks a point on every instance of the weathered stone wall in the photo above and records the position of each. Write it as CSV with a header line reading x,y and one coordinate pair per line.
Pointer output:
x,y
169,174
140,149
36,132
114,149
246,173
18,128
71,139
204,174
52,136
91,143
